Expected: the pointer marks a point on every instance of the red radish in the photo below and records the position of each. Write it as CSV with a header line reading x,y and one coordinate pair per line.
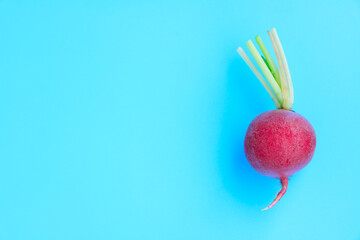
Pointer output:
x,y
280,142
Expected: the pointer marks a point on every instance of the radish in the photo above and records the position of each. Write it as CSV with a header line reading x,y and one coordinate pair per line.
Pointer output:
x,y
278,143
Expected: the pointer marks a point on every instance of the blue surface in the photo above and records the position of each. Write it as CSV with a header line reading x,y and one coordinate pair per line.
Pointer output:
x,y
126,120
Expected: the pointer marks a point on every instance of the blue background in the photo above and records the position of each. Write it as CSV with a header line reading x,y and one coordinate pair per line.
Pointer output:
x,y
126,120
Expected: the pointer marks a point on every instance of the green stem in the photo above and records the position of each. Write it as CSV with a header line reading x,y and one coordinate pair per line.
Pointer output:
x,y
284,86
269,60
265,70
259,76
286,67
278,85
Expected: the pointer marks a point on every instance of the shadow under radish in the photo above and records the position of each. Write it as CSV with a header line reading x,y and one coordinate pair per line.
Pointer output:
x,y
245,99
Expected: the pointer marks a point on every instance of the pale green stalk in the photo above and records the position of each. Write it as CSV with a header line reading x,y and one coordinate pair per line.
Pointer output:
x,y
284,85
274,70
259,76
286,67
265,70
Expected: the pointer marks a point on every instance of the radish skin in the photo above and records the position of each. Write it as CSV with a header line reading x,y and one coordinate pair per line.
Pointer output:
x,y
279,143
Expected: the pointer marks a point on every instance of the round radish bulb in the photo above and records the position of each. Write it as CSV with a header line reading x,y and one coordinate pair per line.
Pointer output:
x,y
280,142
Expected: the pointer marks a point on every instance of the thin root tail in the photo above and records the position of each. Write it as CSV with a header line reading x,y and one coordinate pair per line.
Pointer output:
x,y
284,184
